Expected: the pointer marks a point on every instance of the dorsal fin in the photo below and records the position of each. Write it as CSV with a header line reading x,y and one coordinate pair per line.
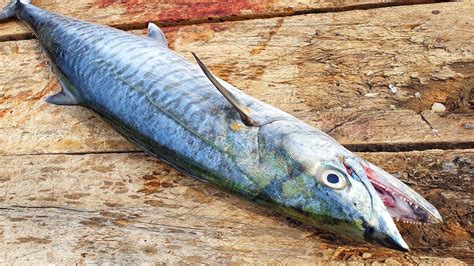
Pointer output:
x,y
155,33
240,108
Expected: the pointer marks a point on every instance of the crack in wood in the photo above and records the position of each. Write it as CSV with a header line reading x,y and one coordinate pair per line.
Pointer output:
x,y
336,126
77,153
11,207
435,131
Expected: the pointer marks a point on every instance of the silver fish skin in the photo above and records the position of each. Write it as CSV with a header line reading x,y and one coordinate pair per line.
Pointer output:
x,y
167,106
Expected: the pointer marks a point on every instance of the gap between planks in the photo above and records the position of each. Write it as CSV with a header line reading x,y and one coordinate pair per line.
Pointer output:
x,y
140,26
367,148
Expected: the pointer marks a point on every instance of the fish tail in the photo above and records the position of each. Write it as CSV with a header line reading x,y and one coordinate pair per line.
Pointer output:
x,y
8,12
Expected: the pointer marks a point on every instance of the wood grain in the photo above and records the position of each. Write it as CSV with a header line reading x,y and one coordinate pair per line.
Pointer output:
x,y
92,208
73,191
135,14
330,70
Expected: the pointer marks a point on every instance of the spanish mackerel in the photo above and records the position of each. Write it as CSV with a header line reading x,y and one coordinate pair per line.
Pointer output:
x,y
208,129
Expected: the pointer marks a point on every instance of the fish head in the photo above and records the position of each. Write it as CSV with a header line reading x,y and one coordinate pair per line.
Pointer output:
x,y
337,191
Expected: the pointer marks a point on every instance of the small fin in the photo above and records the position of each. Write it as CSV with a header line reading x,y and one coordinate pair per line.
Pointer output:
x,y
64,97
155,33
241,109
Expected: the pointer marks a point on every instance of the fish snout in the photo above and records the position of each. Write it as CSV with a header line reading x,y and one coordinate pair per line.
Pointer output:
x,y
379,226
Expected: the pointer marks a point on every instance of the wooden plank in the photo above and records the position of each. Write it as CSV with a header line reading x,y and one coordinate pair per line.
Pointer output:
x,y
330,70
93,208
133,14
324,69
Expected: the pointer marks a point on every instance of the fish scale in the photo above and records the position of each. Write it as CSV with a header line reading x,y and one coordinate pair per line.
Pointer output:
x,y
206,128
167,110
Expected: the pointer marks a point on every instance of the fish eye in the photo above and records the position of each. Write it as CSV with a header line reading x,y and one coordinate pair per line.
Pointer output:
x,y
333,179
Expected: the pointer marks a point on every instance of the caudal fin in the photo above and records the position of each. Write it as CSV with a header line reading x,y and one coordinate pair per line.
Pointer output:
x,y
9,11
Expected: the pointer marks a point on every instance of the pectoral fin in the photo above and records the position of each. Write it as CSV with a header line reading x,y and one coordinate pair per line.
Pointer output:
x,y
155,33
243,111
64,97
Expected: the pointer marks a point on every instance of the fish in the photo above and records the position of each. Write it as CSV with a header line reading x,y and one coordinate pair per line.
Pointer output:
x,y
190,119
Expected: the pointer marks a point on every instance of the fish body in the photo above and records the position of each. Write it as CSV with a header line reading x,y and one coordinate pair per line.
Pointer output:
x,y
171,108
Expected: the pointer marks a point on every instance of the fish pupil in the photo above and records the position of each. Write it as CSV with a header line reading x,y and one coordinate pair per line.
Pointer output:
x,y
333,178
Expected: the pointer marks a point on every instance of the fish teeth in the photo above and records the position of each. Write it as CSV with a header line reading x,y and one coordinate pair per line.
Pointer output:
x,y
406,221
412,204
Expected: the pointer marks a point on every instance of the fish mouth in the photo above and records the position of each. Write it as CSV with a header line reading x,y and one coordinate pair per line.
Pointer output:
x,y
402,203
398,202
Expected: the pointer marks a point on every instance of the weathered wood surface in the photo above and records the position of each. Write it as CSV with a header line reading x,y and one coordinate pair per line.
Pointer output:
x,y
90,208
331,70
135,14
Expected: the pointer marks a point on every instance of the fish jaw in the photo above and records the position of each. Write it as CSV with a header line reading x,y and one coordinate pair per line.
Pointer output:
x,y
378,225
389,239
401,201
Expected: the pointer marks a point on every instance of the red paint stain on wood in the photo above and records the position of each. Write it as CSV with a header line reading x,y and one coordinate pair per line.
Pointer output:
x,y
190,10
107,3
183,10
